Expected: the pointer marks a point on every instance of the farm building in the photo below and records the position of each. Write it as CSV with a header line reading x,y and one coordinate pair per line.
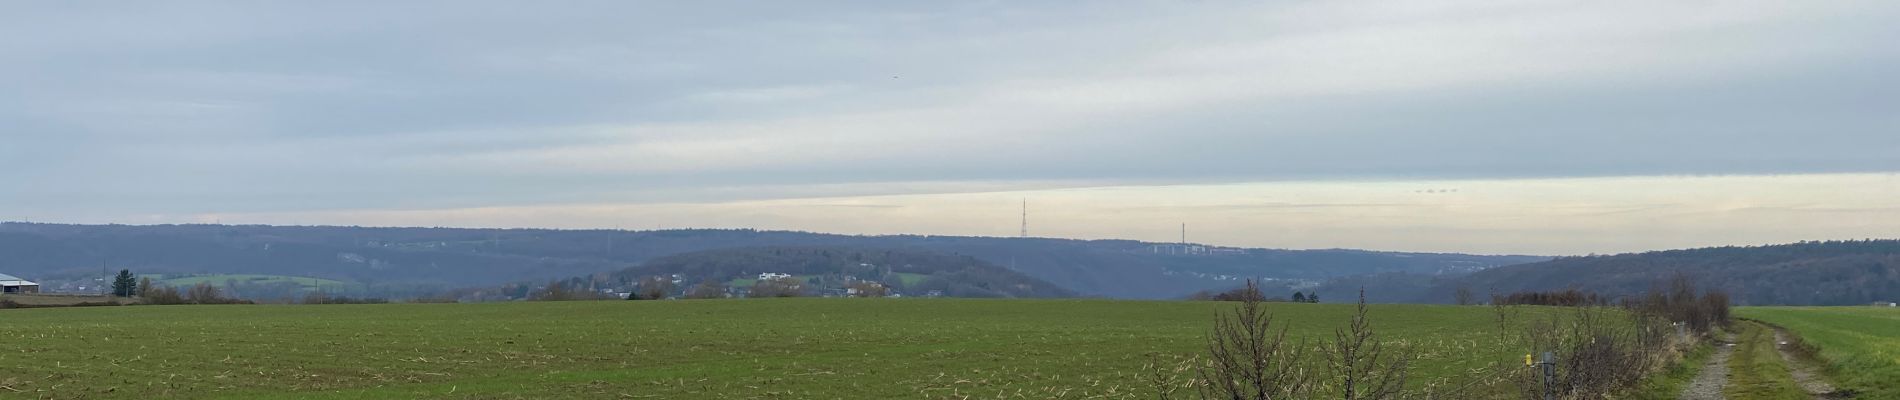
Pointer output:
x,y
773,275
11,284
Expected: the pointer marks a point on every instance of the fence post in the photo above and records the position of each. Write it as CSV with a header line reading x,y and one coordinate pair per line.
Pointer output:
x,y
1550,376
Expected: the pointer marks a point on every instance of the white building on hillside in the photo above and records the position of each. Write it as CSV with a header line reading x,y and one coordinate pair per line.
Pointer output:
x,y
773,275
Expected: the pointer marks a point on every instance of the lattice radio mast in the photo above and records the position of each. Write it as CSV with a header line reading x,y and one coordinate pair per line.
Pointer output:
x,y
1025,232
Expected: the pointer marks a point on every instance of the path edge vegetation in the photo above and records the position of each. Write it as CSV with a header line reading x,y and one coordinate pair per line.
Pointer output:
x,y
1601,350
1674,377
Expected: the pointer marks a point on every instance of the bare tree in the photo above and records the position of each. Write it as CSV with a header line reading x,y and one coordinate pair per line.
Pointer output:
x,y
558,291
706,290
1250,360
1463,296
656,287
781,287
160,294
1360,365
204,293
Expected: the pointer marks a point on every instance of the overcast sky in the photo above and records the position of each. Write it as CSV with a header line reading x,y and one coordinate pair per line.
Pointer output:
x,y
1496,126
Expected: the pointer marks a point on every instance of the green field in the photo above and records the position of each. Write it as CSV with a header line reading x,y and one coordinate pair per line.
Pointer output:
x,y
778,348
1860,344
220,279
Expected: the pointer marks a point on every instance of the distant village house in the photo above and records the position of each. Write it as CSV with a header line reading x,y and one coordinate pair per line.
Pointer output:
x,y
773,275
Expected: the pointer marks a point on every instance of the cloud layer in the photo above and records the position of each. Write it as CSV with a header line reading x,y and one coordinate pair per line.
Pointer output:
x,y
187,108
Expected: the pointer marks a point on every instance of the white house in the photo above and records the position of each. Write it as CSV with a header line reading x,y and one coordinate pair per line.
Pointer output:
x,y
11,284
773,275
853,291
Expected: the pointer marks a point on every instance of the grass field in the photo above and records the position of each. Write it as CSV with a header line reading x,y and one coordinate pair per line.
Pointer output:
x,y
220,279
779,348
1861,344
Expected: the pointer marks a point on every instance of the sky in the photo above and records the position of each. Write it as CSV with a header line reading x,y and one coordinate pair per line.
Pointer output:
x,y
1536,127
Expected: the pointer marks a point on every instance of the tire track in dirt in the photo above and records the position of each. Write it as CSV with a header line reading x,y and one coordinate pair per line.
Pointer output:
x,y
1804,374
1708,384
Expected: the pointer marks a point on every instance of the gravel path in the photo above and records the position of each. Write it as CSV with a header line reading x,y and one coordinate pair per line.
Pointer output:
x,y
1714,376
1803,375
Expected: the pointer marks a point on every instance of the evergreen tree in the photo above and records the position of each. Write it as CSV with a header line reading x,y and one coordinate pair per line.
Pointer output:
x,y
125,285
1299,297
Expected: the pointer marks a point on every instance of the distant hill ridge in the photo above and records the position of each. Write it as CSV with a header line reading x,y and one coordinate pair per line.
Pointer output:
x,y
464,257
948,275
1849,272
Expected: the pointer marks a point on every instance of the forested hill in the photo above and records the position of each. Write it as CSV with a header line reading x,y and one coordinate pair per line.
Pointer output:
x,y
454,257
912,272
1806,273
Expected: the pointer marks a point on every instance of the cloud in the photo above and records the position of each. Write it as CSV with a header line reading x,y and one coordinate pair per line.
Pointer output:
x,y
1533,216
188,108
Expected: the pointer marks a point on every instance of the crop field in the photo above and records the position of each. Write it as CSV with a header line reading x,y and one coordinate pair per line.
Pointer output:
x,y
1860,344
767,349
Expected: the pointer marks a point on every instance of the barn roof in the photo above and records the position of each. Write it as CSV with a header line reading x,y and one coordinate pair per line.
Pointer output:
x,y
11,280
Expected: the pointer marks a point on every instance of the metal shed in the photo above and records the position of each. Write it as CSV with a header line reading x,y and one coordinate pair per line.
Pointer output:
x,y
13,284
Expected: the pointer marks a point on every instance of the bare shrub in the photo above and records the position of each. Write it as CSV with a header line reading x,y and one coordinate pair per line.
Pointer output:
x,y
1596,357
1249,359
205,293
655,288
1602,351
1681,302
706,290
1360,365
161,295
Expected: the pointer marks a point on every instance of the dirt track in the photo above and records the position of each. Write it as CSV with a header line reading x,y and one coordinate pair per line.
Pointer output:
x,y
1714,376
1804,374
